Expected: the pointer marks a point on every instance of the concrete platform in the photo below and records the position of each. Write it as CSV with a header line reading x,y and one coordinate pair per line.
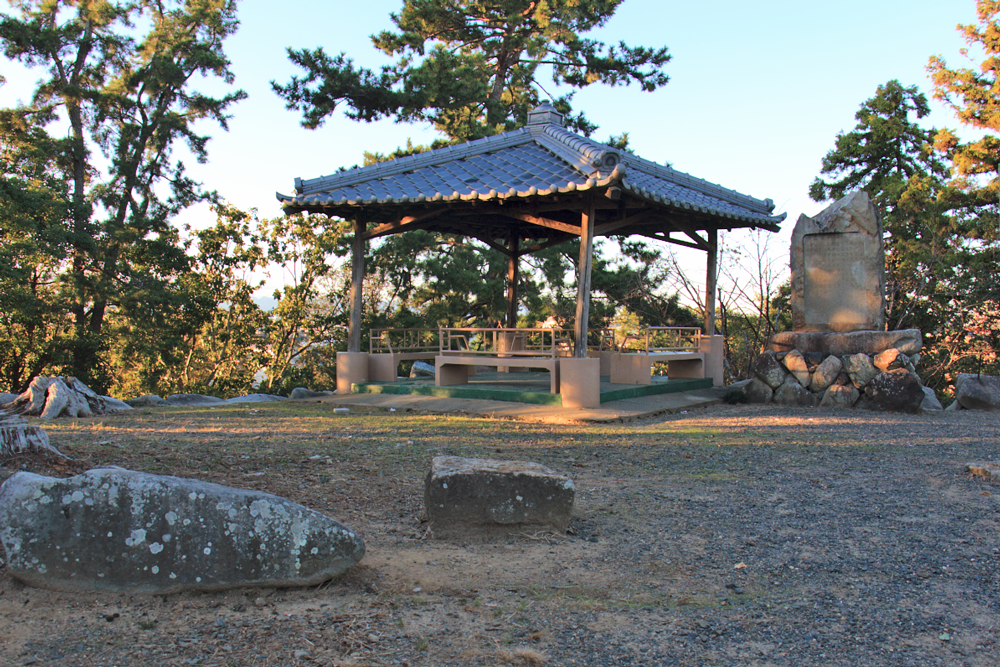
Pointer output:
x,y
615,411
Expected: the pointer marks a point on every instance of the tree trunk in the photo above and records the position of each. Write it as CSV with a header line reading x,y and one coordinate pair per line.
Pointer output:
x,y
18,437
51,397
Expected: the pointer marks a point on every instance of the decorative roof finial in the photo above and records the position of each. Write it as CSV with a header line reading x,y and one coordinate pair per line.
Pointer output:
x,y
545,114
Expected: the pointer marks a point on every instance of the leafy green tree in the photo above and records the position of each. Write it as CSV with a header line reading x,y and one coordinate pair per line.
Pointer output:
x,y
127,99
473,68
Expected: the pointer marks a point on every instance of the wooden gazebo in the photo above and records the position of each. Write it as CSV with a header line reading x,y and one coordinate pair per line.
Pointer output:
x,y
529,189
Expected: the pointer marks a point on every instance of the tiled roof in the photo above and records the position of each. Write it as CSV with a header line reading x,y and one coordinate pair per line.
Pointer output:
x,y
540,159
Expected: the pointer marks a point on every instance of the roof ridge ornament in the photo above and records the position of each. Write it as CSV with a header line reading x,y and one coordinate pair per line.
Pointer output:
x,y
542,115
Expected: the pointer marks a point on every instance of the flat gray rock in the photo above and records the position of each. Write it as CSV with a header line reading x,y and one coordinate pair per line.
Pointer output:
x,y
257,398
193,399
907,341
758,391
118,530
6,398
465,493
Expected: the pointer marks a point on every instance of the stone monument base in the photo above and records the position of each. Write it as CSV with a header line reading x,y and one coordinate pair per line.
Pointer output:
x,y
875,370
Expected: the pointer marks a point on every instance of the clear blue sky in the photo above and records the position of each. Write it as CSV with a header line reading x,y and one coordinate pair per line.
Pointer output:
x,y
758,91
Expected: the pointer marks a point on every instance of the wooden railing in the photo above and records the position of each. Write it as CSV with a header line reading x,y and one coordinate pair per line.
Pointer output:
x,y
507,342
653,340
404,340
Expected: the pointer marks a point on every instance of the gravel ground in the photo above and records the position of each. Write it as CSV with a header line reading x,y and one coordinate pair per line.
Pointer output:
x,y
733,535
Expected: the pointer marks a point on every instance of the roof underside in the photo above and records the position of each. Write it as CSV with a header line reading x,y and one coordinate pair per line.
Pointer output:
x,y
532,185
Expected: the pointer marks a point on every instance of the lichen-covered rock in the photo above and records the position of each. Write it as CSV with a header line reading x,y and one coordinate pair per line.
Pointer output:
x,y
758,391
793,393
119,530
826,373
860,369
840,396
797,366
977,392
895,391
466,493
769,369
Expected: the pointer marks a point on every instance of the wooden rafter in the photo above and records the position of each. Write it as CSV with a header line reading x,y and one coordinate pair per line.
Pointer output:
x,y
543,222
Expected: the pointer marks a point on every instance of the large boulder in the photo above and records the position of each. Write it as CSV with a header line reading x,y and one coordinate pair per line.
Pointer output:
x,y
840,396
890,360
860,369
6,398
758,391
797,366
826,373
895,391
119,530
769,369
977,392
465,494
793,393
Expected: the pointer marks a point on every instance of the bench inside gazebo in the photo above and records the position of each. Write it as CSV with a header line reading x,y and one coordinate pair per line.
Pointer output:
x,y
521,192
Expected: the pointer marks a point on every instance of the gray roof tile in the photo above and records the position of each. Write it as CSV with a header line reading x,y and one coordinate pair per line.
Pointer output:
x,y
539,159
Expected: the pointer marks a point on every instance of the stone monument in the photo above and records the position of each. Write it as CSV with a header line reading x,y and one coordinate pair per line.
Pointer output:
x,y
838,268
839,353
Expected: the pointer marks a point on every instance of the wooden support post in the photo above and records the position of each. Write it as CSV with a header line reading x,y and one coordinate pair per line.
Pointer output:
x,y
357,279
512,278
711,280
583,281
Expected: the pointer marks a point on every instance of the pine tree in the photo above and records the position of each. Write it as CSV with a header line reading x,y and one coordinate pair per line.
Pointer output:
x,y
473,68
128,100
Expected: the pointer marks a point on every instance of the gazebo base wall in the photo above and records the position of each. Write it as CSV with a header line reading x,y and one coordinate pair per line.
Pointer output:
x,y
352,367
580,382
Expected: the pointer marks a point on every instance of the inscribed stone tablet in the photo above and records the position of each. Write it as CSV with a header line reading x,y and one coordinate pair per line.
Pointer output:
x,y
836,284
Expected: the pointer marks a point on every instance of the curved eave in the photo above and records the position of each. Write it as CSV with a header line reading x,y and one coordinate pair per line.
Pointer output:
x,y
332,200
768,222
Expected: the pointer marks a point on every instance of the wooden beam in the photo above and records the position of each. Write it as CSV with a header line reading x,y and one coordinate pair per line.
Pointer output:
x,y
357,279
583,282
711,279
543,222
403,224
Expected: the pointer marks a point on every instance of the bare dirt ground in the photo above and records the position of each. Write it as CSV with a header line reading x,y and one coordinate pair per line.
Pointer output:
x,y
732,535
